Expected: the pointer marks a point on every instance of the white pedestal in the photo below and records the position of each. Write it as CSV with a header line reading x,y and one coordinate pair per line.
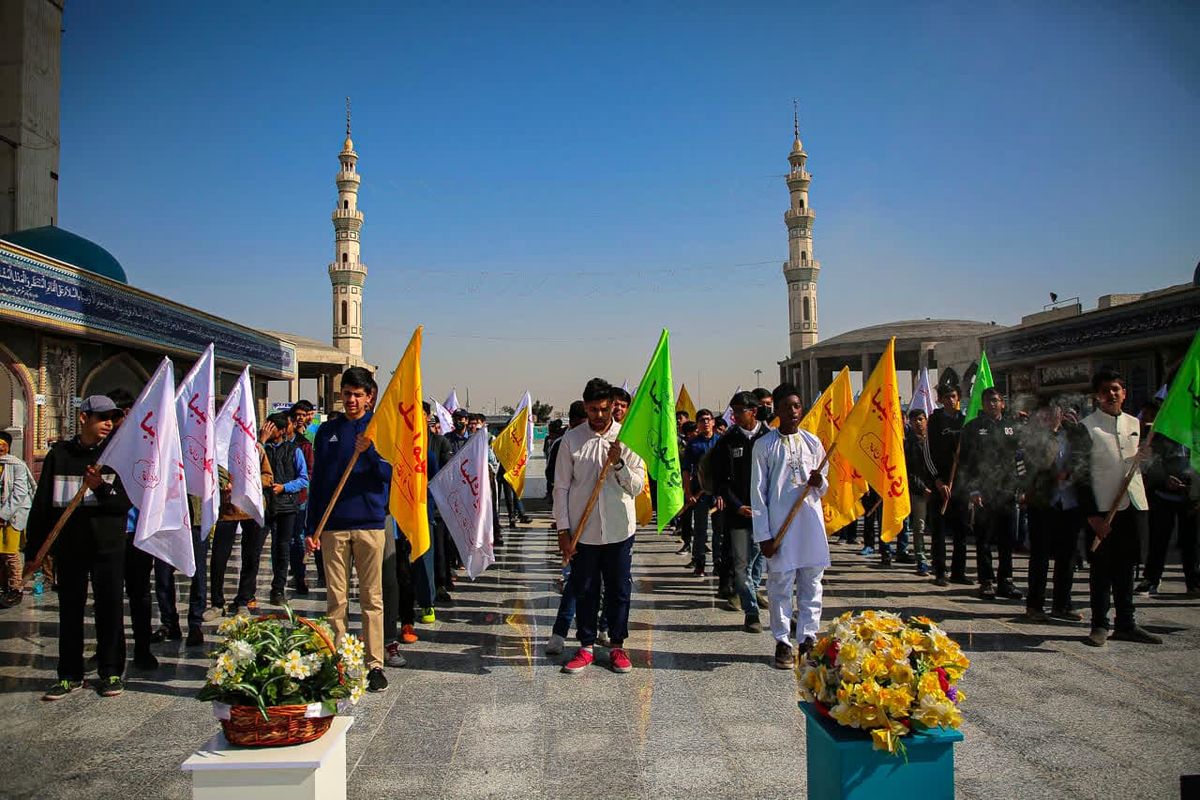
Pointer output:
x,y
313,771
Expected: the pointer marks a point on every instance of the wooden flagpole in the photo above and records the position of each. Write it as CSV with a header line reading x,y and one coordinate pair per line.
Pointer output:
x,y
1112,511
800,500
314,542
36,564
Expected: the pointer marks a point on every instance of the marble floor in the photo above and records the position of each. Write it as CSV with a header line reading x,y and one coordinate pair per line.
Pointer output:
x,y
480,711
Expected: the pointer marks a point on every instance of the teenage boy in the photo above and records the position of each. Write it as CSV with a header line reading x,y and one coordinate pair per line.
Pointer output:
x,y
921,474
354,533
16,496
785,461
90,548
697,501
290,470
302,413
945,428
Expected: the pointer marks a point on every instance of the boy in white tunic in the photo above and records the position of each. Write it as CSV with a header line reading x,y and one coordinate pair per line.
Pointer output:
x,y
785,460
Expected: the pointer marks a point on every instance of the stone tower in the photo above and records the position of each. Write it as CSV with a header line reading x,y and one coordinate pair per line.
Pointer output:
x,y
801,269
347,273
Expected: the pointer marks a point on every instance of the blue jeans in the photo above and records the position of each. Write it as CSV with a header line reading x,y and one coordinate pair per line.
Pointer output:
x,y
164,587
699,515
610,563
745,553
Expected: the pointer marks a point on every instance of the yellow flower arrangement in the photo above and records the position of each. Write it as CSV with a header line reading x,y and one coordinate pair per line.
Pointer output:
x,y
877,671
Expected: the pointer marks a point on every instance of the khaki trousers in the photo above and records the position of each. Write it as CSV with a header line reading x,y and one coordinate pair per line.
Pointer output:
x,y
364,550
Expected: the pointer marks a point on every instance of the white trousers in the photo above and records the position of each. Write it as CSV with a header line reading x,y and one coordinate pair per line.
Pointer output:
x,y
806,583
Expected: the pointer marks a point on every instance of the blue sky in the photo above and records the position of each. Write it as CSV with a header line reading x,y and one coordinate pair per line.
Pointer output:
x,y
547,185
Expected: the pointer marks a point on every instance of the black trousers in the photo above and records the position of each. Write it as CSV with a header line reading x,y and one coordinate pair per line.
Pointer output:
x,y
1165,516
954,525
106,573
1053,535
139,566
1111,572
443,564
253,535
609,564
164,587
995,524
398,587
281,527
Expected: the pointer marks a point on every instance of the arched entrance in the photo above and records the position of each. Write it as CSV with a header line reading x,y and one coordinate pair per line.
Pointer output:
x,y
118,372
16,405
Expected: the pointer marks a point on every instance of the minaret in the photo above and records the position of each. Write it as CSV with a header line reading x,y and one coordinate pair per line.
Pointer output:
x,y
347,273
801,269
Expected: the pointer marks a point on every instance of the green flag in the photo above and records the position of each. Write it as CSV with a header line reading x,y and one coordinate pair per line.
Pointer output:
x,y
983,380
1179,417
649,430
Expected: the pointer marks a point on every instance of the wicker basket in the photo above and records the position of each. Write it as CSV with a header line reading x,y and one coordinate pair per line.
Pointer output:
x,y
285,725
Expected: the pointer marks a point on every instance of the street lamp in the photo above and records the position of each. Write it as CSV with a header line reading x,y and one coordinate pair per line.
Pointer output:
x,y
757,378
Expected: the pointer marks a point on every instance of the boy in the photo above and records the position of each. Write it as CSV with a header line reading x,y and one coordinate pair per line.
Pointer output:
x,y
16,497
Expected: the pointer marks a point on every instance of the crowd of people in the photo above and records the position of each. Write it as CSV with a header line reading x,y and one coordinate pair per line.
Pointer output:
x,y
751,475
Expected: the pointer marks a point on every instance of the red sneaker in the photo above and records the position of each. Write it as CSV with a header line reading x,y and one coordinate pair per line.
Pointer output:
x,y
583,659
408,634
618,660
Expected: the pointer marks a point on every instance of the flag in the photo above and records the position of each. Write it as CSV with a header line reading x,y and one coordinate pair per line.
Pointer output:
x,y
523,403
195,401
983,380
872,440
684,403
451,403
443,414
842,503
922,395
236,431
643,506
463,493
649,431
146,454
728,415
1179,417
512,447
400,435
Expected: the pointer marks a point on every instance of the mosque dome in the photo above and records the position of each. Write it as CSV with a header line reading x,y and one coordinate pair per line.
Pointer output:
x,y
62,245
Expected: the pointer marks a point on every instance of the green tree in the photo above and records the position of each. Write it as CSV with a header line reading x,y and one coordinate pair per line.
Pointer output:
x,y
541,411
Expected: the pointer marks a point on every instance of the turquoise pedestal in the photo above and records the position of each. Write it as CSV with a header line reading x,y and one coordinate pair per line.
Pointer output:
x,y
843,764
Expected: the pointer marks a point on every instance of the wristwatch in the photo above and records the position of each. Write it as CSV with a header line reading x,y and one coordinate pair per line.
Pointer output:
x,y
620,464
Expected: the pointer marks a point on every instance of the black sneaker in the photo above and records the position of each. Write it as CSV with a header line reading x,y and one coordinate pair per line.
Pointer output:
x,y
111,686
300,587
987,591
752,624
1135,634
941,581
1145,589
784,657
278,597
166,632
806,646
963,579
376,681
195,637
1009,592
11,598
61,689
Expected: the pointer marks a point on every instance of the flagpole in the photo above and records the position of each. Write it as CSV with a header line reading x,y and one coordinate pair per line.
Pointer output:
x,y
591,504
36,564
1112,511
953,472
316,537
787,522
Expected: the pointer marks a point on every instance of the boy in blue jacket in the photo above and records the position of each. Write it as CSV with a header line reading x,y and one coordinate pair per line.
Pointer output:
x,y
354,533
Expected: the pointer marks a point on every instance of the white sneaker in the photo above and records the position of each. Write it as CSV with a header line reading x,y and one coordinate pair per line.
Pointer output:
x,y
394,658
555,645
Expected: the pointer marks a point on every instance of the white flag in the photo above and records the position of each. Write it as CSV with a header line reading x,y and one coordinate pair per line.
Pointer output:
x,y
526,401
463,495
451,403
922,396
237,447
728,415
145,453
195,401
444,416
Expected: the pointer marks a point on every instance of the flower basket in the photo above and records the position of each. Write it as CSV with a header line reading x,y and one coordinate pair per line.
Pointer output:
x,y
279,679
284,725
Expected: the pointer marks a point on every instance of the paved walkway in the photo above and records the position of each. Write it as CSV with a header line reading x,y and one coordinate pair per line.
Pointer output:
x,y
481,712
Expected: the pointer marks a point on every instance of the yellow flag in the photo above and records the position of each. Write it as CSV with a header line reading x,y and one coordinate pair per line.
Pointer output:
x,y
511,448
401,436
684,403
643,506
842,503
872,440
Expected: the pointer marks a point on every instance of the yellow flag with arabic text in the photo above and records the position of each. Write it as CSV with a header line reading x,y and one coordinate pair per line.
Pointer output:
x,y
401,436
511,448
843,502
872,441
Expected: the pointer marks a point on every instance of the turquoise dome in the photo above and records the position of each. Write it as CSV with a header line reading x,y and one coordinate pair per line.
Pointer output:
x,y
52,241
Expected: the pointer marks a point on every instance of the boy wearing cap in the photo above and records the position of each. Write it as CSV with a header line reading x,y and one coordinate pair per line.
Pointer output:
x,y
91,548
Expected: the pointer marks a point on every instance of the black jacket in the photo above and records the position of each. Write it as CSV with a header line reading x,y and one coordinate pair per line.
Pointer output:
x,y
944,430
98,524
731,459
1039,447
282,458
988,460
918,460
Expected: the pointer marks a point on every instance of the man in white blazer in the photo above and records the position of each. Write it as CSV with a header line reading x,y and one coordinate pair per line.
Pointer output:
x,y
1116,439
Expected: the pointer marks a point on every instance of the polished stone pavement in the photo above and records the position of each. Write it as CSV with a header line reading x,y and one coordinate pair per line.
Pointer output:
x,y
481,712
